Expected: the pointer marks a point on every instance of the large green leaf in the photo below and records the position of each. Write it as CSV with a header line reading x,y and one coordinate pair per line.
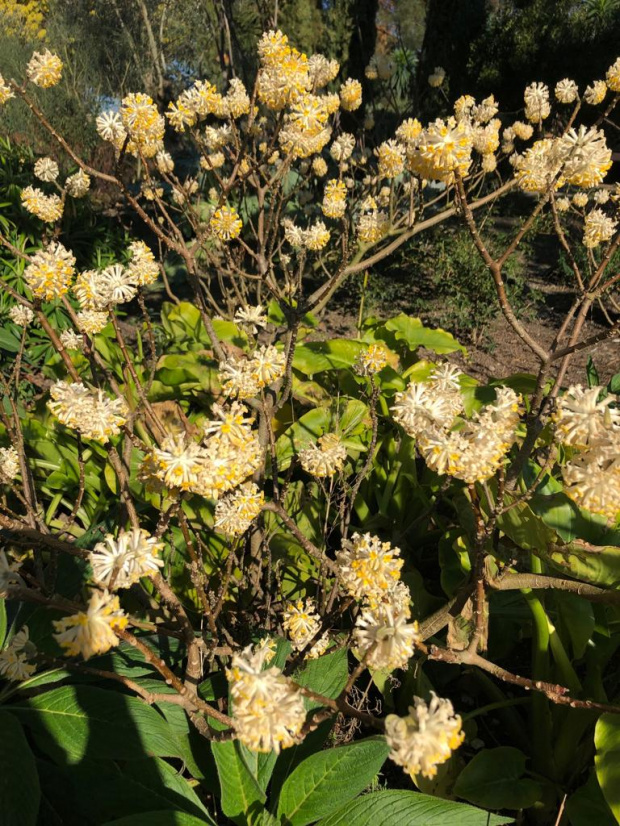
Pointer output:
x,y
165,818
19,781
318,356
327,780
587,806
494,779
402,808
241,792
607,759
75,722
414,334
112,791
326,675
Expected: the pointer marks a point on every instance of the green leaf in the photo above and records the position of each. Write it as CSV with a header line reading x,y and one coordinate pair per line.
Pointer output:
x,y
578,617
19,782
241,792
414,334
168,818
587,806
9,341
402,808
79,721
592,373
607,759
318,356
494,779
327,780
327,675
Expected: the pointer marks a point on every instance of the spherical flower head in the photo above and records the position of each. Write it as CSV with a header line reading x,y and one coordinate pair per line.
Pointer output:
x,y
384,638
9,576
6,93
319,167
44,69
119,563
93,414
437,77
423,405
566,91
592,478
91,632
9,464
409,130
302,623
351,95
368,567
14,665
179,461
226,224
598,228
21,315
237,378
213,161
391,155
601,196
372,225
267,365
143,267
580,199
595,93
110,128
268,710
326,458
523,131
71,340
50,271
586,156
342,148
484,111
562,204
235,512
143,123
334,199
613,76
371,361
251,318
78,184
537,106
582,419
164,163
446,147
316,237
91,322
540,166
47,208
426,737
46,169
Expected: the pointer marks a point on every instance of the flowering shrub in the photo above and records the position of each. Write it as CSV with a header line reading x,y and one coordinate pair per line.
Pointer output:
x,y
228,542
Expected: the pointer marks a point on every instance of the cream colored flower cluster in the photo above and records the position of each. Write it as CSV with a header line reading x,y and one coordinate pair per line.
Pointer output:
x,y
426,737
371,361
93,414
9,464
122,561
302,623
244,377
91,632
14,665
334,199
235,512
598,228
384,637
47,208
591,427
21,315
372,224
268,710
368,568
100,290
44,69
469,449
50,271
325,458
228,453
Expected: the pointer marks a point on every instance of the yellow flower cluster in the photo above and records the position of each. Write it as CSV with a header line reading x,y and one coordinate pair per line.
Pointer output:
x,y
284,72
235,512
44,69
91,632
47,208
334,199
14,665
598,228
426,737
226,224
326,458
120,562
245,377
50,271
302,623
143,125
91,413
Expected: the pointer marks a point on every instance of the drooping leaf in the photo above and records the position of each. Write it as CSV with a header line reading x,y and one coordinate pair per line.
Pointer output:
x,y
19,782
75,722
402,808
414,334
241,792
607,759
326,675
494,779
587,806
327,780
318,356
